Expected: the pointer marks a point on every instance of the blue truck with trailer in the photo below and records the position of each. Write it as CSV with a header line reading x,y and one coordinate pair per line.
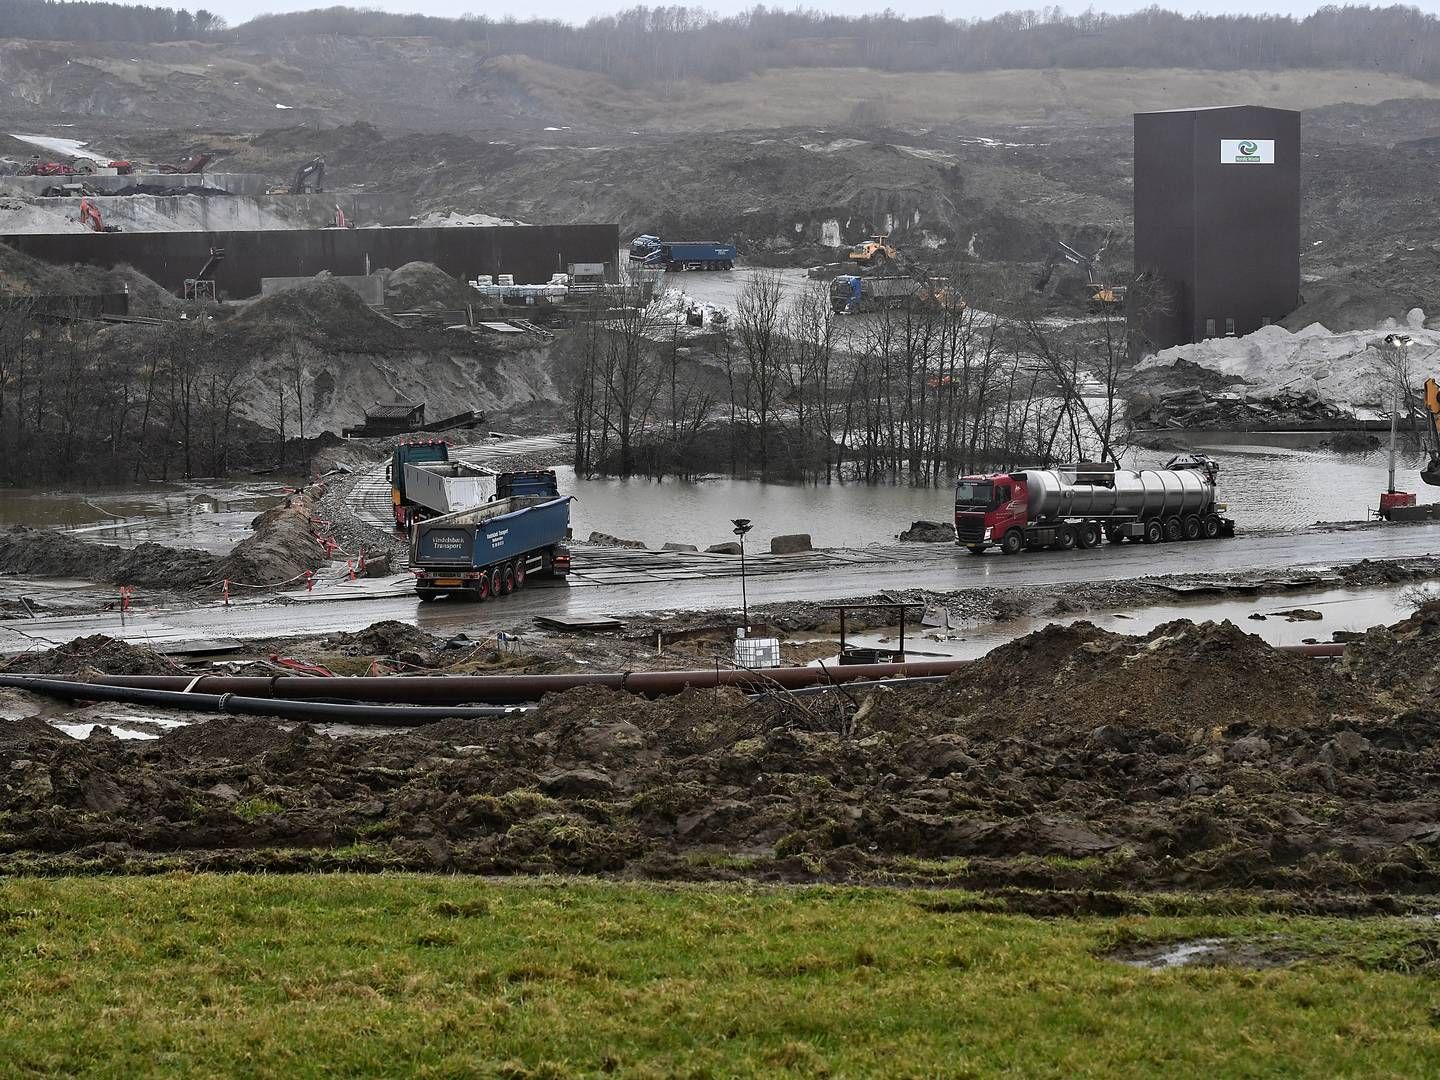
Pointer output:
x,y
650,252
851,293
492,549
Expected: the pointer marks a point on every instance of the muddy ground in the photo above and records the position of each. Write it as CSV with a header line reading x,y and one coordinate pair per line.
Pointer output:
x,y
1073,762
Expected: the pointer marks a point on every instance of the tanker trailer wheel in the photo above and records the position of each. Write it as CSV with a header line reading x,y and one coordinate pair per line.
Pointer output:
x,y
1064,538
1211,526
1113,535
1193,528
1173,529
1012,542
497,581
1088,535
1154,533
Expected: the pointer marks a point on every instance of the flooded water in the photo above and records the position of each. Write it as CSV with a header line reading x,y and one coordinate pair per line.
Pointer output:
x,y
211,517
1286,480
1265,484
1354,610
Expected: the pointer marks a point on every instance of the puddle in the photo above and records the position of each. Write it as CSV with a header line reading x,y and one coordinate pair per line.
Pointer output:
x,y
1351,610
82,731
1199,952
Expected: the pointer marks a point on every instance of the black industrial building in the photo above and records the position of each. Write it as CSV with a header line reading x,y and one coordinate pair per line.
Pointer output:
x,y
1217,221
531,253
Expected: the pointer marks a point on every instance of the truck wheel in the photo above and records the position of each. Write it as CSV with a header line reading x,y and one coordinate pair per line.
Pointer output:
x,y
497,581
520,572
481,590
1193,528
976,549
1113,535
1088,535
1173,529
426,595
1210,526
1064,539
1013,541
507,583
1153,531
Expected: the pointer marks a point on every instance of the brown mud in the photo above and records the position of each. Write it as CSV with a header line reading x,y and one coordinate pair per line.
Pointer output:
x,y
1067,771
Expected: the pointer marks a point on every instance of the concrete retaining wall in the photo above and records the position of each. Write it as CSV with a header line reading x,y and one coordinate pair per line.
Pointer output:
x,y
231,183
531,252
201,213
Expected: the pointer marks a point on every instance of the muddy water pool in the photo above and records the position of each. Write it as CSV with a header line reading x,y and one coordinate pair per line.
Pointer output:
x,y
211,517
1265,483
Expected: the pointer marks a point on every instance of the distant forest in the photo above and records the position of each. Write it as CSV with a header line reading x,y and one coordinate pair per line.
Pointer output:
x,y
649,45
47,20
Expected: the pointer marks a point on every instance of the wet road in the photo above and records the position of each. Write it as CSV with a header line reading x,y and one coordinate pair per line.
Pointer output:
x,y
615,583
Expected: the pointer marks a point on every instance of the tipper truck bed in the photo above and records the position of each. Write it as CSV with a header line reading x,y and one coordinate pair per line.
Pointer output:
x,y
425,481
491,549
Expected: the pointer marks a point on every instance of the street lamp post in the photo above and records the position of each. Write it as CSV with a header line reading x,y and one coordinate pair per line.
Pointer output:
x,y
743,526
1399,344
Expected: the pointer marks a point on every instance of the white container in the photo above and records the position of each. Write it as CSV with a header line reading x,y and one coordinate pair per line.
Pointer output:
x,y
757,652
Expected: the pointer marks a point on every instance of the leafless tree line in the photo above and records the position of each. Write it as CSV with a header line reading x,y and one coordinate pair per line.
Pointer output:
x,y
82,404
911,394
645,45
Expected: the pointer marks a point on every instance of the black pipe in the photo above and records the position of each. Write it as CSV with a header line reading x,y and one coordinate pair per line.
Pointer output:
x,y
391,715
512,689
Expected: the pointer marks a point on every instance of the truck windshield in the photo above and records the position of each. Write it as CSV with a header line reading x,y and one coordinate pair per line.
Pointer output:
x,y
979,496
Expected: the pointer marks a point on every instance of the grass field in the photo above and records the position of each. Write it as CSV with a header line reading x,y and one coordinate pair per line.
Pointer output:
x,y
430,976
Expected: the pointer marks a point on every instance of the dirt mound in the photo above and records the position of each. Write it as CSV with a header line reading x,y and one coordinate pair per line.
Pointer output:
x,y
1349,305
419,285
323,311
281,547
236,739
25,276
50,553
384,638
20,735
1401,662
1026,772
94,655
1179,678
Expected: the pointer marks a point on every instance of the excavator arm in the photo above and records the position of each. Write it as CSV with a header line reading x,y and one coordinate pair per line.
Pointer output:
x,y
1430,474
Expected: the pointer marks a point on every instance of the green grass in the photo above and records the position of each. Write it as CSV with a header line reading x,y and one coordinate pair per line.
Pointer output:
x,y
398,975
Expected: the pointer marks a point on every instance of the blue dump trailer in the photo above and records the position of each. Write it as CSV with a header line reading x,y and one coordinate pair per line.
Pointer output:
x,y
653,253
492,549
851,294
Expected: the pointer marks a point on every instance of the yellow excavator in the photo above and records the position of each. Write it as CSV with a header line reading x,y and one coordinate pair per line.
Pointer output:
x,y
873,252
1431,472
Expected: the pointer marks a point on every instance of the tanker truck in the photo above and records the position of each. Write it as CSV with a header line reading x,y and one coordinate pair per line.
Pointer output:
x,y
1076,506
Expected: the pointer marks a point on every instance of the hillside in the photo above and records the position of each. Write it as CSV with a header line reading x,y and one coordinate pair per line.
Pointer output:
x,y
422,84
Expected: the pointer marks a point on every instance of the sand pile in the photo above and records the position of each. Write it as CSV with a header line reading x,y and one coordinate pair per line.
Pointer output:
x,y
1346,368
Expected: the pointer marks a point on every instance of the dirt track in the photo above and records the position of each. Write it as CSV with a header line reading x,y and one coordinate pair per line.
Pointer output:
x,y
1196,758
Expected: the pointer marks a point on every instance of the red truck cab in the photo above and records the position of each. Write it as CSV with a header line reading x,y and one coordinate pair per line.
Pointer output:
x,y
988,507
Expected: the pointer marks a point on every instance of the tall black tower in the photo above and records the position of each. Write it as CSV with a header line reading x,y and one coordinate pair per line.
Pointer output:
x,y
1217,221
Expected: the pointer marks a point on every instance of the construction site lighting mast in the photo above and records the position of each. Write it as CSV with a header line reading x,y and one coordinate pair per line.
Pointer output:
x,y
743,526
1399,344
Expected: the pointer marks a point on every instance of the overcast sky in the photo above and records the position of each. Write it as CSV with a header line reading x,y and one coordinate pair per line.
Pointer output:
x,y
237,11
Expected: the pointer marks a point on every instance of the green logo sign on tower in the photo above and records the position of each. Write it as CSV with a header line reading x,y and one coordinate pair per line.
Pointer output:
x,y
1247,151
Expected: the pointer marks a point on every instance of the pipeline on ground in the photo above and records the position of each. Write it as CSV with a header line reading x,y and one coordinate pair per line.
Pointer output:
x,y
452,692
393,715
